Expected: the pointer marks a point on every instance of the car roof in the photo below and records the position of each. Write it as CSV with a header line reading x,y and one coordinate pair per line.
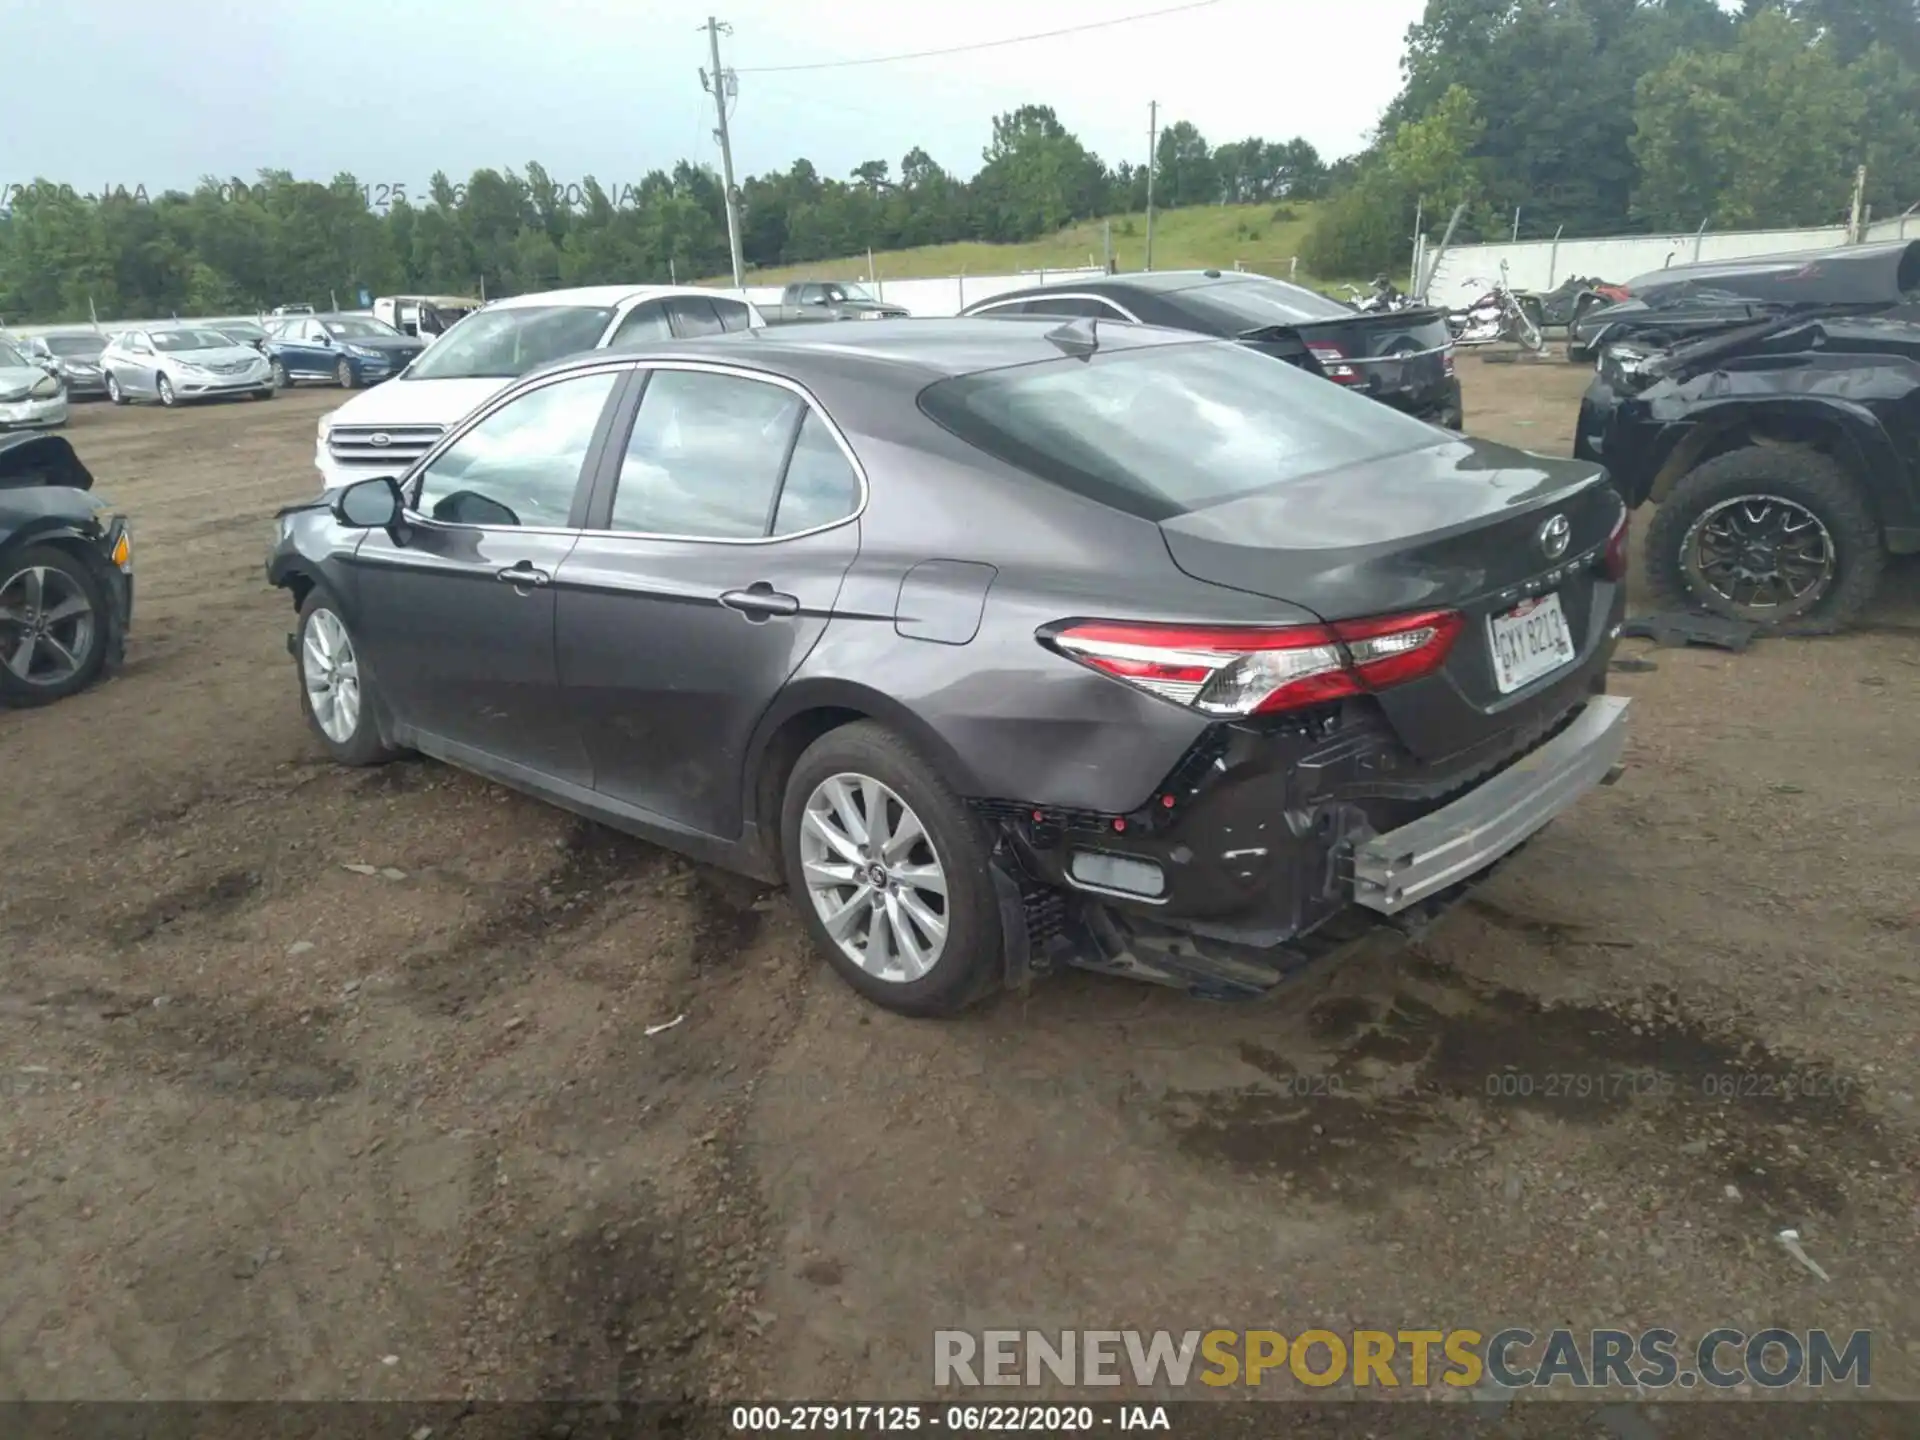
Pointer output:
x,y
606,295
920,350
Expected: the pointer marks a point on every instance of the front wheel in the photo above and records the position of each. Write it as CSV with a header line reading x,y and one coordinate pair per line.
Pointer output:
x,y
53,626
1776,535
163,390
891,872
281,380
337,694
1522,328
114,392
343,372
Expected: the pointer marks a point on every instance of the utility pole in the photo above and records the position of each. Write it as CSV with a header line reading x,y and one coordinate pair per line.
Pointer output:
x,y
1856,228
1153,141
722,83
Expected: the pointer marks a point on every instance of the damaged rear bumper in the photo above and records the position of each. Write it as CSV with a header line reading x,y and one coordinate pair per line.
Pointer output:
x,y
1398,870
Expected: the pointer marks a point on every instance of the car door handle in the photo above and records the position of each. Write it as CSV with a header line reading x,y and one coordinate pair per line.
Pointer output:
x,y
522,574
761,600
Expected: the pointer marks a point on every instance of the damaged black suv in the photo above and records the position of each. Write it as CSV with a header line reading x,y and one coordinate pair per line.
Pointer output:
x,y
1782,449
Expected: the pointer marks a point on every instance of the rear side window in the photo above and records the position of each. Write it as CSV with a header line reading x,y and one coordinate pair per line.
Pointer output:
x,y
733,315
1162,431
704,456
820,486
1074,305
644,322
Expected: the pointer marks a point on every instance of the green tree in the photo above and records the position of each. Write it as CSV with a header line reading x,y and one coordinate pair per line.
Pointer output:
x,y
1765,134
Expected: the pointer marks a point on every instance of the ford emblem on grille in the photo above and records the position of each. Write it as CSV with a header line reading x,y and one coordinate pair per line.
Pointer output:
x,y
384,439
1554,537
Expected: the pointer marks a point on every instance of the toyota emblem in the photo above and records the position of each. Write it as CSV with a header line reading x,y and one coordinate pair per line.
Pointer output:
x,y
1554,537
383,439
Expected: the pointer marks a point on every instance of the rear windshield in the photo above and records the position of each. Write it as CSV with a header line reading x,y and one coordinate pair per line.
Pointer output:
x,y
1162,431
1237,306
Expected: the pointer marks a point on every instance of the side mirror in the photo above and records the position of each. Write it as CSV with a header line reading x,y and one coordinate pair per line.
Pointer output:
x,y
369,504
325,340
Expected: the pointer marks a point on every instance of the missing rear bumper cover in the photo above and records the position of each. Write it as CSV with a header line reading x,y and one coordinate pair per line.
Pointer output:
x,y
1403,867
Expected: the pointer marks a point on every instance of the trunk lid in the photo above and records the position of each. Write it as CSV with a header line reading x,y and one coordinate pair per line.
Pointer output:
x,y
1456,526
1403,358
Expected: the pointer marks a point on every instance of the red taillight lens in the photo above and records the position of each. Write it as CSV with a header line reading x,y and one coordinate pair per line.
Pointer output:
x,y
1242,670
1333,360
1446,361
1613,562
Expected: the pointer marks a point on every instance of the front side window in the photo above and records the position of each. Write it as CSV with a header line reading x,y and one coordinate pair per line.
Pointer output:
x,y
643,323
705,456
693,315
506,343
521,465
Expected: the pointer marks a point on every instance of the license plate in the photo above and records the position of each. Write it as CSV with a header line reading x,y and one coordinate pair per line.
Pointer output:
x,y
1529,641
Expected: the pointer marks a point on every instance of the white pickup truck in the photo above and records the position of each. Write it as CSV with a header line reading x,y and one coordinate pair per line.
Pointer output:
x,y
426,317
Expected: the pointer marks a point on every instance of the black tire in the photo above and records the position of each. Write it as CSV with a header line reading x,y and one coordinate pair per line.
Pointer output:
x,y
343,372
25,693
971,965
266,394
281,380
1798,476
364,745
163,391
114,392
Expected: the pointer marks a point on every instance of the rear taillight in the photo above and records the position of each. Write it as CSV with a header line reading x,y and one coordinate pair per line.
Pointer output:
x,y
1333,360
1446,360
1244,670
1613,560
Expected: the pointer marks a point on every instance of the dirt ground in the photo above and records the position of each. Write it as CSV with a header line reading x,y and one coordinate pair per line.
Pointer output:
x,y
274,1127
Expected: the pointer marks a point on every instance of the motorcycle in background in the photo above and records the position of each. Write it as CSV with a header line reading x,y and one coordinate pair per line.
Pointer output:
x,y
1382,298
1497,315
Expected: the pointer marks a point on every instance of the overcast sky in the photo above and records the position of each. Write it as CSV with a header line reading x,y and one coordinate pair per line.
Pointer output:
x,y
123,94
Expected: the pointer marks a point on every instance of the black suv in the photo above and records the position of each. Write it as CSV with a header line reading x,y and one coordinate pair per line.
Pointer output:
x,y
1784,454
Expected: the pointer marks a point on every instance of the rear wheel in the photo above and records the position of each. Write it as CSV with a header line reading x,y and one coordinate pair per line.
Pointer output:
x,y
890,871
53,626
1778,535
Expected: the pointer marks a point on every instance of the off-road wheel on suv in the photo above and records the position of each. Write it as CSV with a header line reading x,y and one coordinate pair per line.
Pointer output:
x,y
1778,535
337,693
890,870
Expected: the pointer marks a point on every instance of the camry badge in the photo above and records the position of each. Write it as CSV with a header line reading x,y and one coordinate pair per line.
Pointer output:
x,y
1554,537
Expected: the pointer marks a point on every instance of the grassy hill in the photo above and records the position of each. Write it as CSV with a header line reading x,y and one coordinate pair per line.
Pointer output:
x,y
1260,237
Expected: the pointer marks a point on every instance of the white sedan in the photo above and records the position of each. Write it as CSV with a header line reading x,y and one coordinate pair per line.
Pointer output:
x,y
29,396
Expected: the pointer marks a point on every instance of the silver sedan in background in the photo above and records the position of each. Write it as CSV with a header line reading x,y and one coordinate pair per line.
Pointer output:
x,y
180,363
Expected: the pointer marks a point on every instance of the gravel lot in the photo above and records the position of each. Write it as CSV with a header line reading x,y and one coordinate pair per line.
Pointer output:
x,y
334,1084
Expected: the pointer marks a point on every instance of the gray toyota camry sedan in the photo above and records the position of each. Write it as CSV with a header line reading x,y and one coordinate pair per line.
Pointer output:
x,y
1005,644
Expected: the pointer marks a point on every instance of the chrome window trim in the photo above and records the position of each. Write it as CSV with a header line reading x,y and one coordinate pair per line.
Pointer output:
x,y
987,306
410,483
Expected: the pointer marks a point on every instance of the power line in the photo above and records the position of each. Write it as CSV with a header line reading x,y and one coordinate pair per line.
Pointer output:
x,y
981,44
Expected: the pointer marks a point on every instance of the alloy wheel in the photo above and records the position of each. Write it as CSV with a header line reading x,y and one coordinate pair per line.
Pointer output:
x,y
46,626
1768,558
163,388
280,378
343,372
330,670
874,877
